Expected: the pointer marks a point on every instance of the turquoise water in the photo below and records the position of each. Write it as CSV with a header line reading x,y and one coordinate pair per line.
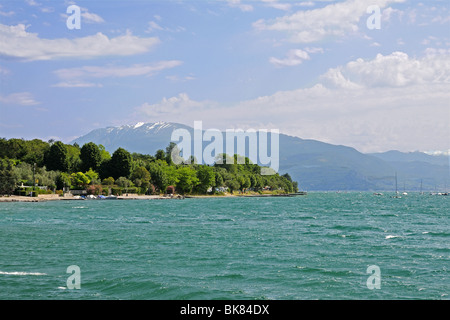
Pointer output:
x,y
312,247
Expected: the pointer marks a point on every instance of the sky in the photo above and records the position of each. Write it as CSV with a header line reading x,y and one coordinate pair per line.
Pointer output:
x,y
369,74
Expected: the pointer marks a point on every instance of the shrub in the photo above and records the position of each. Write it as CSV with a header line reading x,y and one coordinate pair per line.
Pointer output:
x,y
94,189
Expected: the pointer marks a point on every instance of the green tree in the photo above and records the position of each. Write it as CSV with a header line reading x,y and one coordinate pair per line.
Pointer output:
x,y
36,150
63,181
123,182
206,177
141,177
90,156
104,155
56,158
79,180
159,178
172,174
295,186
160,155
232,184
8,179
92,176
245,183
187,179
120,164
108,181
17,149
172,153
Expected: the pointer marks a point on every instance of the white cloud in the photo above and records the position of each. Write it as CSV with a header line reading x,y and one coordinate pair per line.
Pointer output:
x,y
6,14
394,70
32,3
90,17
334,20
87,17
240,5
293,58
277,5
18,43
77,84
176,106
438,152
115,71
154,26
20,98
403,105
176,78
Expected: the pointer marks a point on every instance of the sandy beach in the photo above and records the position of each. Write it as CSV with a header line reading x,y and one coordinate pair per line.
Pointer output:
x,y
55,197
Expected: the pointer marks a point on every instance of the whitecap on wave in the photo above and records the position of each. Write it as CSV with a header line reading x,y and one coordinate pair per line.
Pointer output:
x,y
392,237
20,273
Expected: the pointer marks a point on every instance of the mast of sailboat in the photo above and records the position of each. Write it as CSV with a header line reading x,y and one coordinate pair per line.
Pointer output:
x,y
421,192
396,189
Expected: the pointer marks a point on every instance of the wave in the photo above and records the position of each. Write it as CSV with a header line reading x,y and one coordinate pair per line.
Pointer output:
x,y
20,273
392,237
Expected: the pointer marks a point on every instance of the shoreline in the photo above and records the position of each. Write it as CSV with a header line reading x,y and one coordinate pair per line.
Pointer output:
x,y
44,198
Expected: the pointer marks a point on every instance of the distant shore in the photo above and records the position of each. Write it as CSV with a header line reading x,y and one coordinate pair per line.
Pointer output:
x,y
54,197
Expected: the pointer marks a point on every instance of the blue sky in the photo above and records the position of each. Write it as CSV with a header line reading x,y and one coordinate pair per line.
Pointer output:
x,y
313,69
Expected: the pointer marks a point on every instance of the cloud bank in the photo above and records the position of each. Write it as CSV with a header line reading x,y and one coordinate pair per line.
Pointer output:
x,y
368,104
17,43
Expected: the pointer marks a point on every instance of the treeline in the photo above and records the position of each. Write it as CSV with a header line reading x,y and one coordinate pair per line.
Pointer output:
x,y
60,166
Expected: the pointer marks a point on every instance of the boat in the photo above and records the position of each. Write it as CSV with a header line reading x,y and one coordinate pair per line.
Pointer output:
x,y
396,189
377,194
300,193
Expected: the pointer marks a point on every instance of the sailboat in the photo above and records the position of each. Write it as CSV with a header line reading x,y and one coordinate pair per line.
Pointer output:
x,y
396,189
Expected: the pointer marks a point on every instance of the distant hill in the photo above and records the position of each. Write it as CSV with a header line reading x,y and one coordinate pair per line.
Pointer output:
x,y
418,167
315,165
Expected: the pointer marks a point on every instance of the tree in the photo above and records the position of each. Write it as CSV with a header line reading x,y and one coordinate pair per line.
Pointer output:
x,y
63,181
187,179
73,158
172,154
158,176
8,179
206,177
104,155
160,155
123,182
56,158
287,176
90,156
36,150
141,177
295,186
120,164
245,182
17,149
172,175
92,176
219,180
24,173
108,181
232,185
79,180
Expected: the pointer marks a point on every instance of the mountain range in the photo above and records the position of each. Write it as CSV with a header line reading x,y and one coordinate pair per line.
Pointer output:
x,y
315,165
